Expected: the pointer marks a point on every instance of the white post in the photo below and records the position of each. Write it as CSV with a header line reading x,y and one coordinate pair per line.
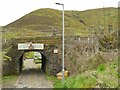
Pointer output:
x,y
63,46
62,41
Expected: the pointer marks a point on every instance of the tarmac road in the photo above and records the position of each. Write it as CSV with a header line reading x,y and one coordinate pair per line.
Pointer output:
x,y
32,77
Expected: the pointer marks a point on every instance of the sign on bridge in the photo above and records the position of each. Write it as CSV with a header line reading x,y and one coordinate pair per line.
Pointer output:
x,y
30,46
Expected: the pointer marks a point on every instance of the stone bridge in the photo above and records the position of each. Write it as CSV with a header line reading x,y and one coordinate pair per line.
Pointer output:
x,y
51,60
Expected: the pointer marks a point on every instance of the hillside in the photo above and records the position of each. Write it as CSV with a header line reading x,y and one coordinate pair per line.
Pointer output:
x,y
76,22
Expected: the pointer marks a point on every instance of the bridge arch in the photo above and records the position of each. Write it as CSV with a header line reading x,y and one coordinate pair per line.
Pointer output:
x,y
51,60
45,61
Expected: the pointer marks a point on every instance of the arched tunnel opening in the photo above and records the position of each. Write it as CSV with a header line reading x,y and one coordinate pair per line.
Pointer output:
x,y
32,60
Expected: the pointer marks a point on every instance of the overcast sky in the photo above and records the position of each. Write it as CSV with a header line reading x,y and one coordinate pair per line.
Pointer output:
x,y
11,10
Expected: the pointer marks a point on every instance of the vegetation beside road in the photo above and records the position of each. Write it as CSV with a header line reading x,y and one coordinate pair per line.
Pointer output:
x,y
29,55
9,80
104,76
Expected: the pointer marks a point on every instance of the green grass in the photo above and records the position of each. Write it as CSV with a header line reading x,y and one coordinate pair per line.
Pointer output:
x,y
9,80
29,55
37,61
0,80
46,20
105,76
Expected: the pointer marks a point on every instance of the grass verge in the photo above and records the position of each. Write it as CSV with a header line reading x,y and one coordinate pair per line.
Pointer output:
x,y
9,80
105,76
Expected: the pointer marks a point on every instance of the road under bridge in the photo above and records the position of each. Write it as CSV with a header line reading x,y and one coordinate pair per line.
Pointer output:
x,y
49,47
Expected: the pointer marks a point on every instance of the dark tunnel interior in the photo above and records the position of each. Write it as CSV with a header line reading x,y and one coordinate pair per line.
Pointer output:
x,y
43,61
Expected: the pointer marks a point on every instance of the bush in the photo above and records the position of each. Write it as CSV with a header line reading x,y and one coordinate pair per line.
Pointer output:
x,y
101,68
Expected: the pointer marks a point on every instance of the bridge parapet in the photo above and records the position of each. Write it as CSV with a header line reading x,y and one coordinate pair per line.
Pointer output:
x,y
45,40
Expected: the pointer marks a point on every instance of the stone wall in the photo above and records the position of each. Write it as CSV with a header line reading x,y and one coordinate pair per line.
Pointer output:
x,y
77,49
10,67
50,61
55,60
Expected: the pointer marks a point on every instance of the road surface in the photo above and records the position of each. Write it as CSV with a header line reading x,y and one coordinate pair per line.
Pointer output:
x,y
32,77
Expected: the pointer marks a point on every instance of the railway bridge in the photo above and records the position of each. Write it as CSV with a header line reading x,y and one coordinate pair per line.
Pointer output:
x,y
48,46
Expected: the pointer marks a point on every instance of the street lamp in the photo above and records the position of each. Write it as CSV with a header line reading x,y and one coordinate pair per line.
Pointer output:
x,y
62,41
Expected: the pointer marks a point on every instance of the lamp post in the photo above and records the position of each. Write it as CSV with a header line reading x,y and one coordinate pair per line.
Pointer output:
x,y
62,41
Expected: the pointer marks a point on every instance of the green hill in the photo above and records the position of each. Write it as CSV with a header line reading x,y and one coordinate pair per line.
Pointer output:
x,y
76,22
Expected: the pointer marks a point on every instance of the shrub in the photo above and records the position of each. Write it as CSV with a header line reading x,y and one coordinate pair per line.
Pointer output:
x,y
101,68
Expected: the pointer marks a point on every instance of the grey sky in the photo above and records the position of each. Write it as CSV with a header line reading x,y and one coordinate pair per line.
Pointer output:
x,y
11,10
